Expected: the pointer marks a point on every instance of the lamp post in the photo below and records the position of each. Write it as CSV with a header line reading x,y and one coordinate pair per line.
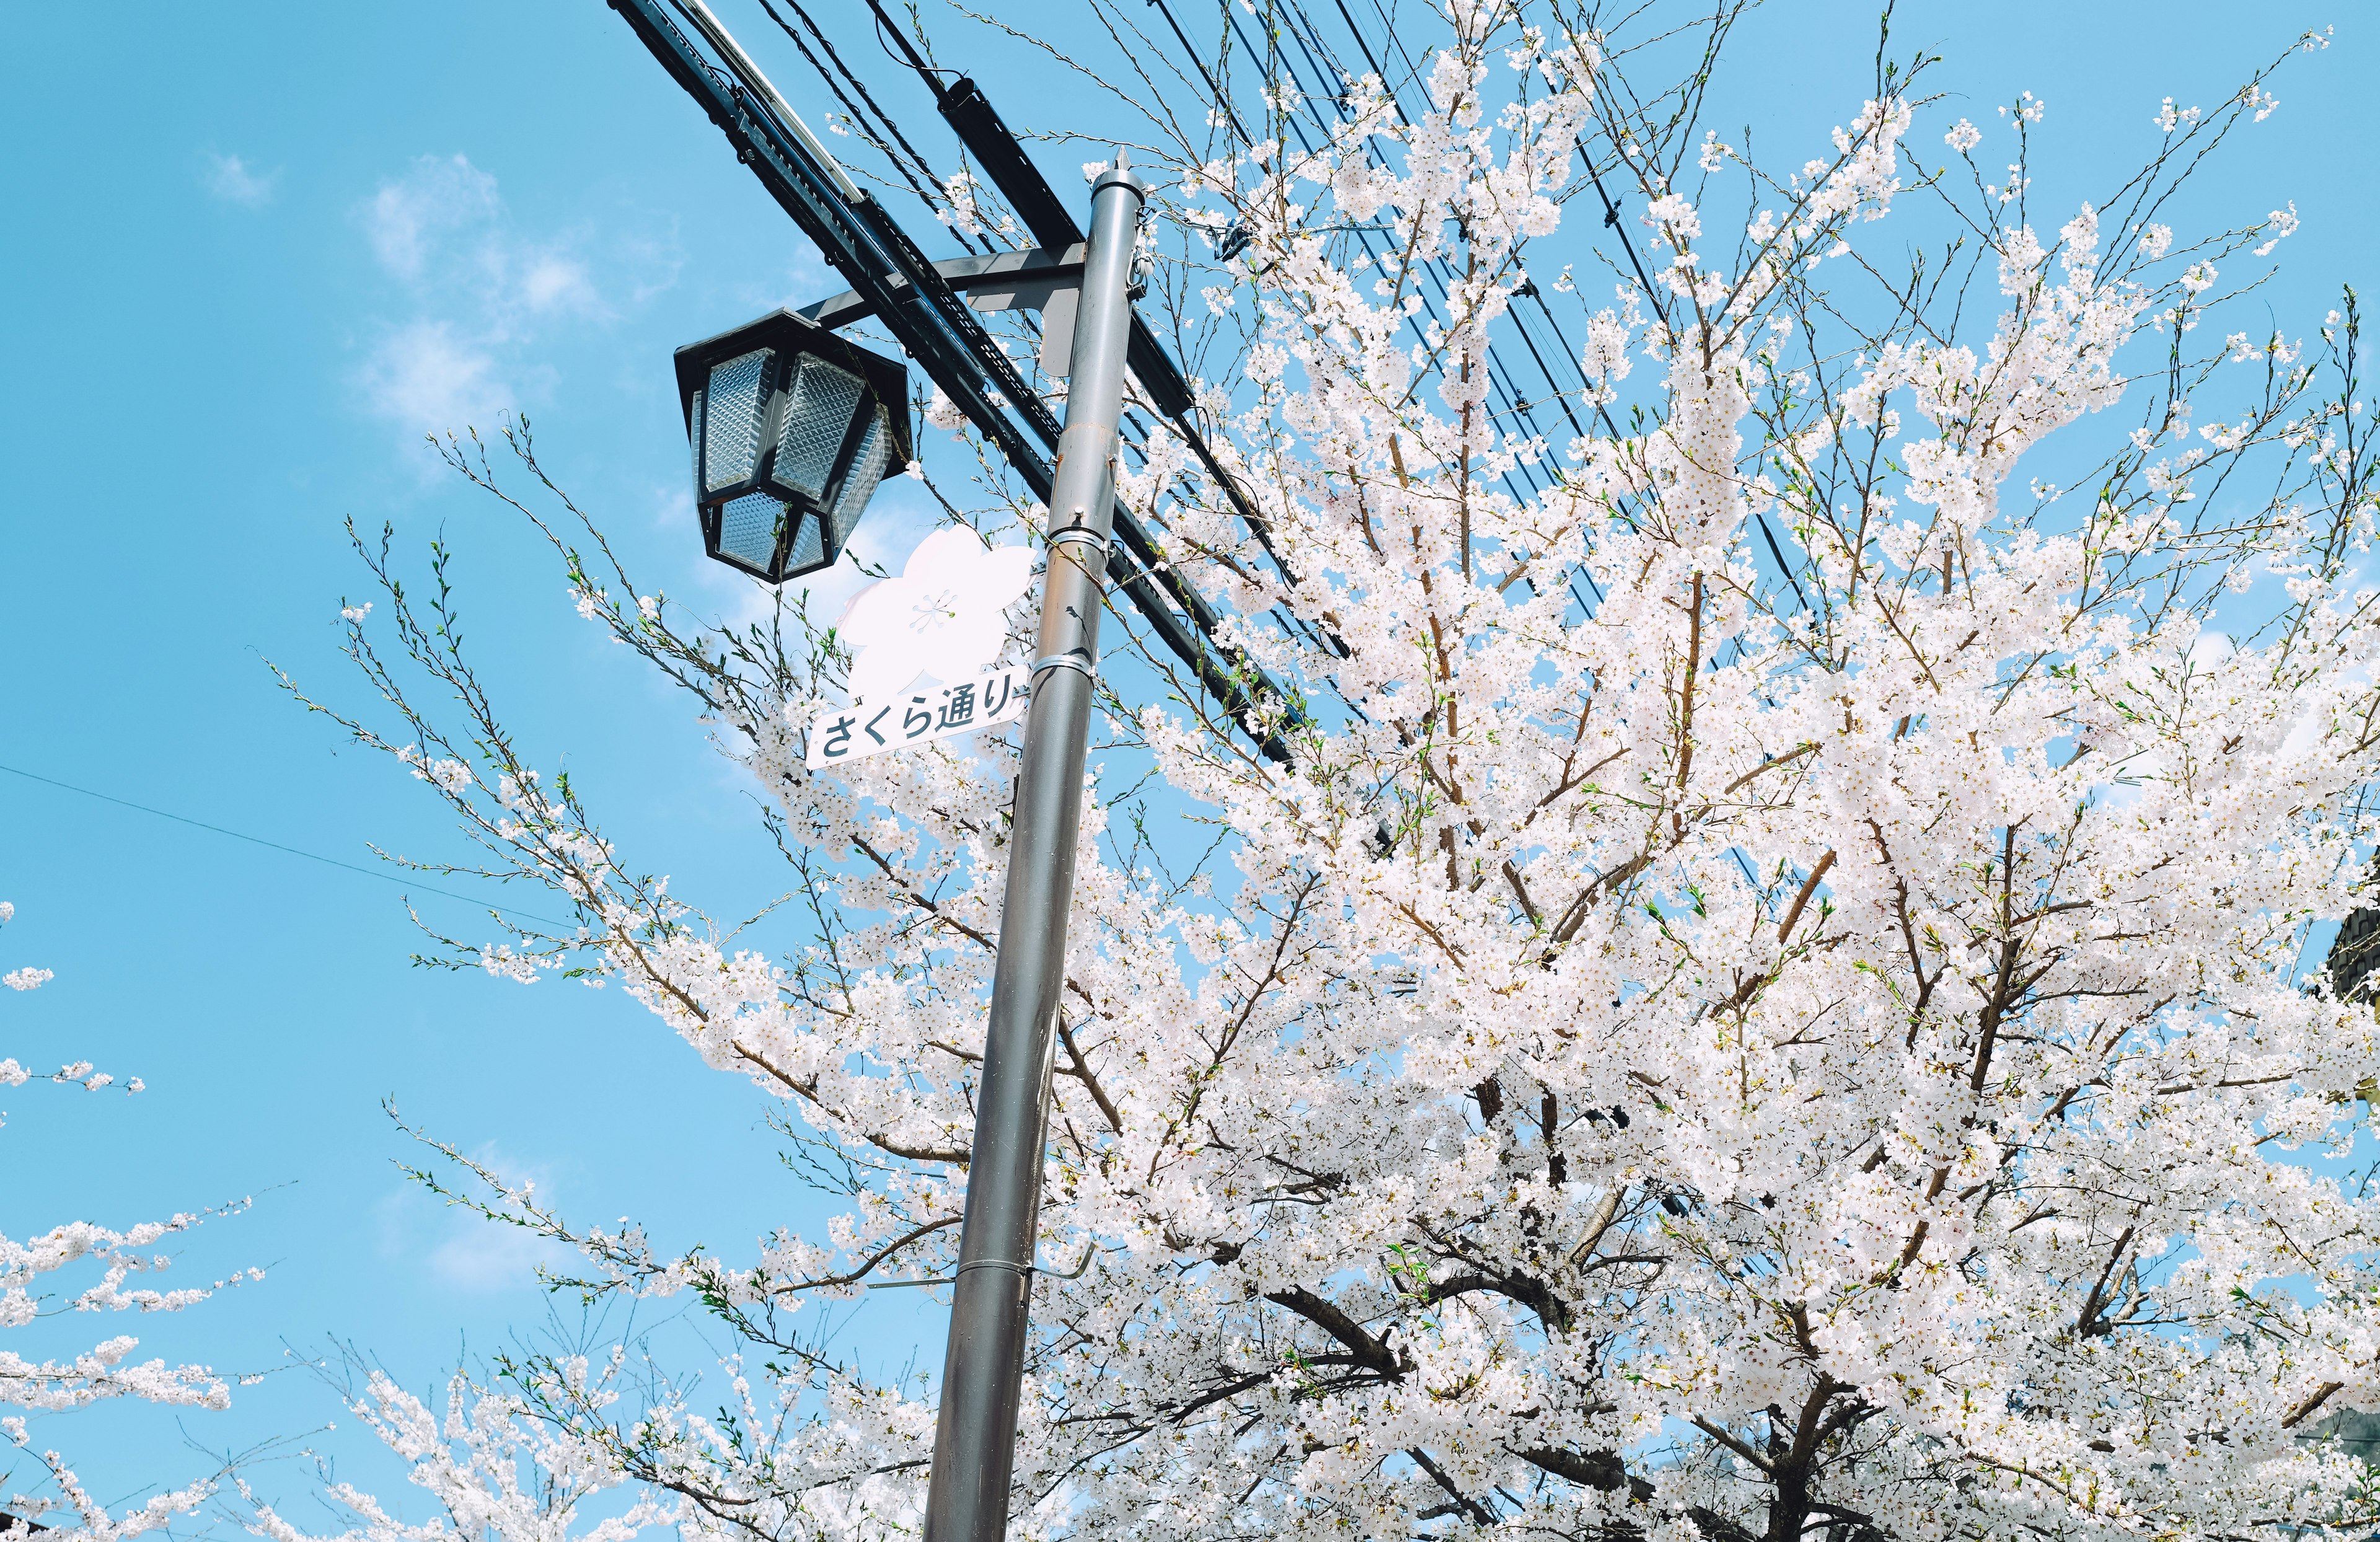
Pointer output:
x,y
975,1433
792,428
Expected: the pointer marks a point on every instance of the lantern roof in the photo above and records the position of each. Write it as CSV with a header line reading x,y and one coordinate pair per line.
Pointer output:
x,y
792,332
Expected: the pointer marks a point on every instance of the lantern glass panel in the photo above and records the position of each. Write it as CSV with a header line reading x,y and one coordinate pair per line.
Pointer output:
x,y
866,470
695,439
748,530
809,548
817,417
731,436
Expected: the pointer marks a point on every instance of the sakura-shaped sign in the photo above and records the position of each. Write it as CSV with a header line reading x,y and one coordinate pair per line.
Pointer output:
x,y
942,618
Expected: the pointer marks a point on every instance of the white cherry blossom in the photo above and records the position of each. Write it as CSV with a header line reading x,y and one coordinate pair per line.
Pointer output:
x,y
40,1488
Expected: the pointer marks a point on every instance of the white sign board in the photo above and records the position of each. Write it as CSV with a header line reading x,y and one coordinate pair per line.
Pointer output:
x,y
945,615
913,717
943,618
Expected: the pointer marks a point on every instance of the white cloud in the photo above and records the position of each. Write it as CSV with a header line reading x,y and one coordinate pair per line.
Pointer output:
x,y
406,218
443,229
231,179
427,379
480,302
480,1255
553,283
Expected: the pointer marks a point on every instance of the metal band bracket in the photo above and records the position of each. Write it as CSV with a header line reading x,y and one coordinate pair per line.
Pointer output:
x,y
1082,535
1022,1271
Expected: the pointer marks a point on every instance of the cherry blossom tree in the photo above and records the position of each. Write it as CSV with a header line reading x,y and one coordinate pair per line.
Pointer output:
x,y
38,1489
1771,994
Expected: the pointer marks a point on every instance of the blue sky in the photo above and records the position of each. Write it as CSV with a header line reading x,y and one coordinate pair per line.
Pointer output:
x,y
254,254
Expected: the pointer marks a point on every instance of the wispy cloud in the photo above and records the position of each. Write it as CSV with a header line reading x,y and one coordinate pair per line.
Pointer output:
x,y
480,1256
463,1250
484,295
549,283
406,218
231,179
426,378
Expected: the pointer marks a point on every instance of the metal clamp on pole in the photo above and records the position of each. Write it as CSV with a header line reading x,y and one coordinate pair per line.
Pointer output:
x,y
974,1432
1023,1271
1074,661
1082,535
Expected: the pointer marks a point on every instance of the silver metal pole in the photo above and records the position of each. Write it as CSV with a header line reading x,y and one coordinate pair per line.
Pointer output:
x,y
975,1435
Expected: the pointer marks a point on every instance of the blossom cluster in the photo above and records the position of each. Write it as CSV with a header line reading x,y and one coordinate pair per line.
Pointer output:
x,y
56,1500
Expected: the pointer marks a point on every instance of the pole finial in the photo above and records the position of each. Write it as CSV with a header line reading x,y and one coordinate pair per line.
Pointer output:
x,y
1119,171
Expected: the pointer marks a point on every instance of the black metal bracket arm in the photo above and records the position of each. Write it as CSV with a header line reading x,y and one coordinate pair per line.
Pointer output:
x,y
1039,279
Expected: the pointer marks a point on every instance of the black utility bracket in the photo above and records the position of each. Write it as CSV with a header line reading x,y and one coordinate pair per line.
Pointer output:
x,y
1039,279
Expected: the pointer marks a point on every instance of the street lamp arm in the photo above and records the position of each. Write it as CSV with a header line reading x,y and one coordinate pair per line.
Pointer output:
x,y
1002,281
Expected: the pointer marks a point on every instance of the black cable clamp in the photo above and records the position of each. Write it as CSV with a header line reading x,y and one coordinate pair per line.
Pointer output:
x,y
1083,535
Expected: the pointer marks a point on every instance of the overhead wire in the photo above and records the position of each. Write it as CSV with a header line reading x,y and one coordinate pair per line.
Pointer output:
x,y
1611,222
1435,271
929,315
1524,481
276,846
1441,274
1438,273
1310,41
1507,400
1515,404
858,120
924,72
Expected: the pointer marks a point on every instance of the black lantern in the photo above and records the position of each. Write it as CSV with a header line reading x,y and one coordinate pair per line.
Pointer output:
x,y
792,429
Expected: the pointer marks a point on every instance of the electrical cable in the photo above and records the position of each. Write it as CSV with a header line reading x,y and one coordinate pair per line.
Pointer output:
x,y
1221,101
924,72
1514,405
857,83
261,841
937,328
1498,378
1363,238
1028,193
1520,406
1146,352
859,119
1559,392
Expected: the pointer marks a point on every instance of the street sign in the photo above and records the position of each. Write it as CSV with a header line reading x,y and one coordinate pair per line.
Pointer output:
x,y
915,717
945,614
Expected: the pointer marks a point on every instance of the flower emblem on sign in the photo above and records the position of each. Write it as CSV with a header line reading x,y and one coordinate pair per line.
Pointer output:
x,y
941,616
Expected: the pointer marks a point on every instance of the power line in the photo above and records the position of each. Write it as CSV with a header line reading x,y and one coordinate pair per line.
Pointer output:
x,y
260,840
859,119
